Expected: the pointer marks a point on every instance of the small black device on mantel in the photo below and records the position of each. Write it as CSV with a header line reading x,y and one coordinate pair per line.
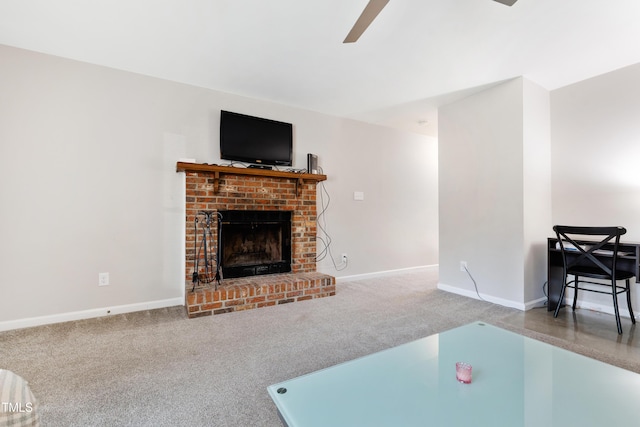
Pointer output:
x,y
256,140
312,163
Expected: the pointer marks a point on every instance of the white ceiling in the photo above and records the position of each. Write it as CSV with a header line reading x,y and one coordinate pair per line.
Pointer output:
x,y
415,56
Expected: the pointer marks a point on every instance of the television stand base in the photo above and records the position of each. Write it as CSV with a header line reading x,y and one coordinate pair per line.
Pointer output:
x,y
261,167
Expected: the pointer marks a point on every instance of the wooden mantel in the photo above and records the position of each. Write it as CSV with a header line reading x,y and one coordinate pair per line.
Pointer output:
x,y
216,170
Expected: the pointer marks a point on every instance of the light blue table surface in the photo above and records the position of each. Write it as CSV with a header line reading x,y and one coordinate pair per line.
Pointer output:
x,y
517,381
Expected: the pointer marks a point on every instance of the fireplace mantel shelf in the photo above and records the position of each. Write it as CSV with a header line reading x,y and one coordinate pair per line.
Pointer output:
x,y
216,170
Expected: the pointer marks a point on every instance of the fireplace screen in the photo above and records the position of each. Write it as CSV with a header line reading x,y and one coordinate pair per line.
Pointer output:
x,y
255,242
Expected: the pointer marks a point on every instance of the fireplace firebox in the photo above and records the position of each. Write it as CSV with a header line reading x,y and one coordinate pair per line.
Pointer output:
x,y
253,243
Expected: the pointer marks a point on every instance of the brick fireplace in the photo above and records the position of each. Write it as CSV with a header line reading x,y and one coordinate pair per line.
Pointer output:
x,y
216,189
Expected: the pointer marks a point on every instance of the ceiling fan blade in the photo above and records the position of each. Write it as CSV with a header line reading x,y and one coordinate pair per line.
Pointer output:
x,y
371,10
507,2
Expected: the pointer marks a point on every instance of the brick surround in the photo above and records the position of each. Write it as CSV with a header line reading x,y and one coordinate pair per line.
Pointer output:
x,y
215,188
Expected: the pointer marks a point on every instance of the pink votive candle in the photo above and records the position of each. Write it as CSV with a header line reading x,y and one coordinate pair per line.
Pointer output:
x,y
463,372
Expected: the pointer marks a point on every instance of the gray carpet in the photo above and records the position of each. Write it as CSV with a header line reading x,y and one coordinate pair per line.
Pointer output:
x,y
158,368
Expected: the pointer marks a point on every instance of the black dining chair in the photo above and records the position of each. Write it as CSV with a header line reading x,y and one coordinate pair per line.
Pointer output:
x,y
595,258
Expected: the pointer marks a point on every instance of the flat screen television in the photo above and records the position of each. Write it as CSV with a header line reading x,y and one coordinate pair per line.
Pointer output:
x,y
255,140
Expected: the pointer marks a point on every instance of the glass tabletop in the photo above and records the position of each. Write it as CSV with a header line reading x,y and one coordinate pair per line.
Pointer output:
x,y
516,381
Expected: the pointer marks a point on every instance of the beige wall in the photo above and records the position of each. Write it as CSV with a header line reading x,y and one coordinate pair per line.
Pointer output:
x,y
481,196
586,174
87,166
536,188
494,200
596,146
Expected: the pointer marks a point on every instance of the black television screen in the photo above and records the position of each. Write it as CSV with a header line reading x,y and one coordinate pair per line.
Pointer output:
x,y
255,140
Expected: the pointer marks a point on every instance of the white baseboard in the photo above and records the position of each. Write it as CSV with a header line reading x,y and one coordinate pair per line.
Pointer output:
x,y
586,305
88,314
386,273
472,294
540,302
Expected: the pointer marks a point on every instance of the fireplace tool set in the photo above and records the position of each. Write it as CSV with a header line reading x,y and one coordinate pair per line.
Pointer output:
x,y
205,252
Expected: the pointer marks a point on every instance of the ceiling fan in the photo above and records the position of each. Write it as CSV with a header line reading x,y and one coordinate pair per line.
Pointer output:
x,y
373,8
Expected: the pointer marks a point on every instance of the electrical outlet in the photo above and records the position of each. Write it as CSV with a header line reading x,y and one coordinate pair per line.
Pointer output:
x,y
463,266
103,279
344,258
